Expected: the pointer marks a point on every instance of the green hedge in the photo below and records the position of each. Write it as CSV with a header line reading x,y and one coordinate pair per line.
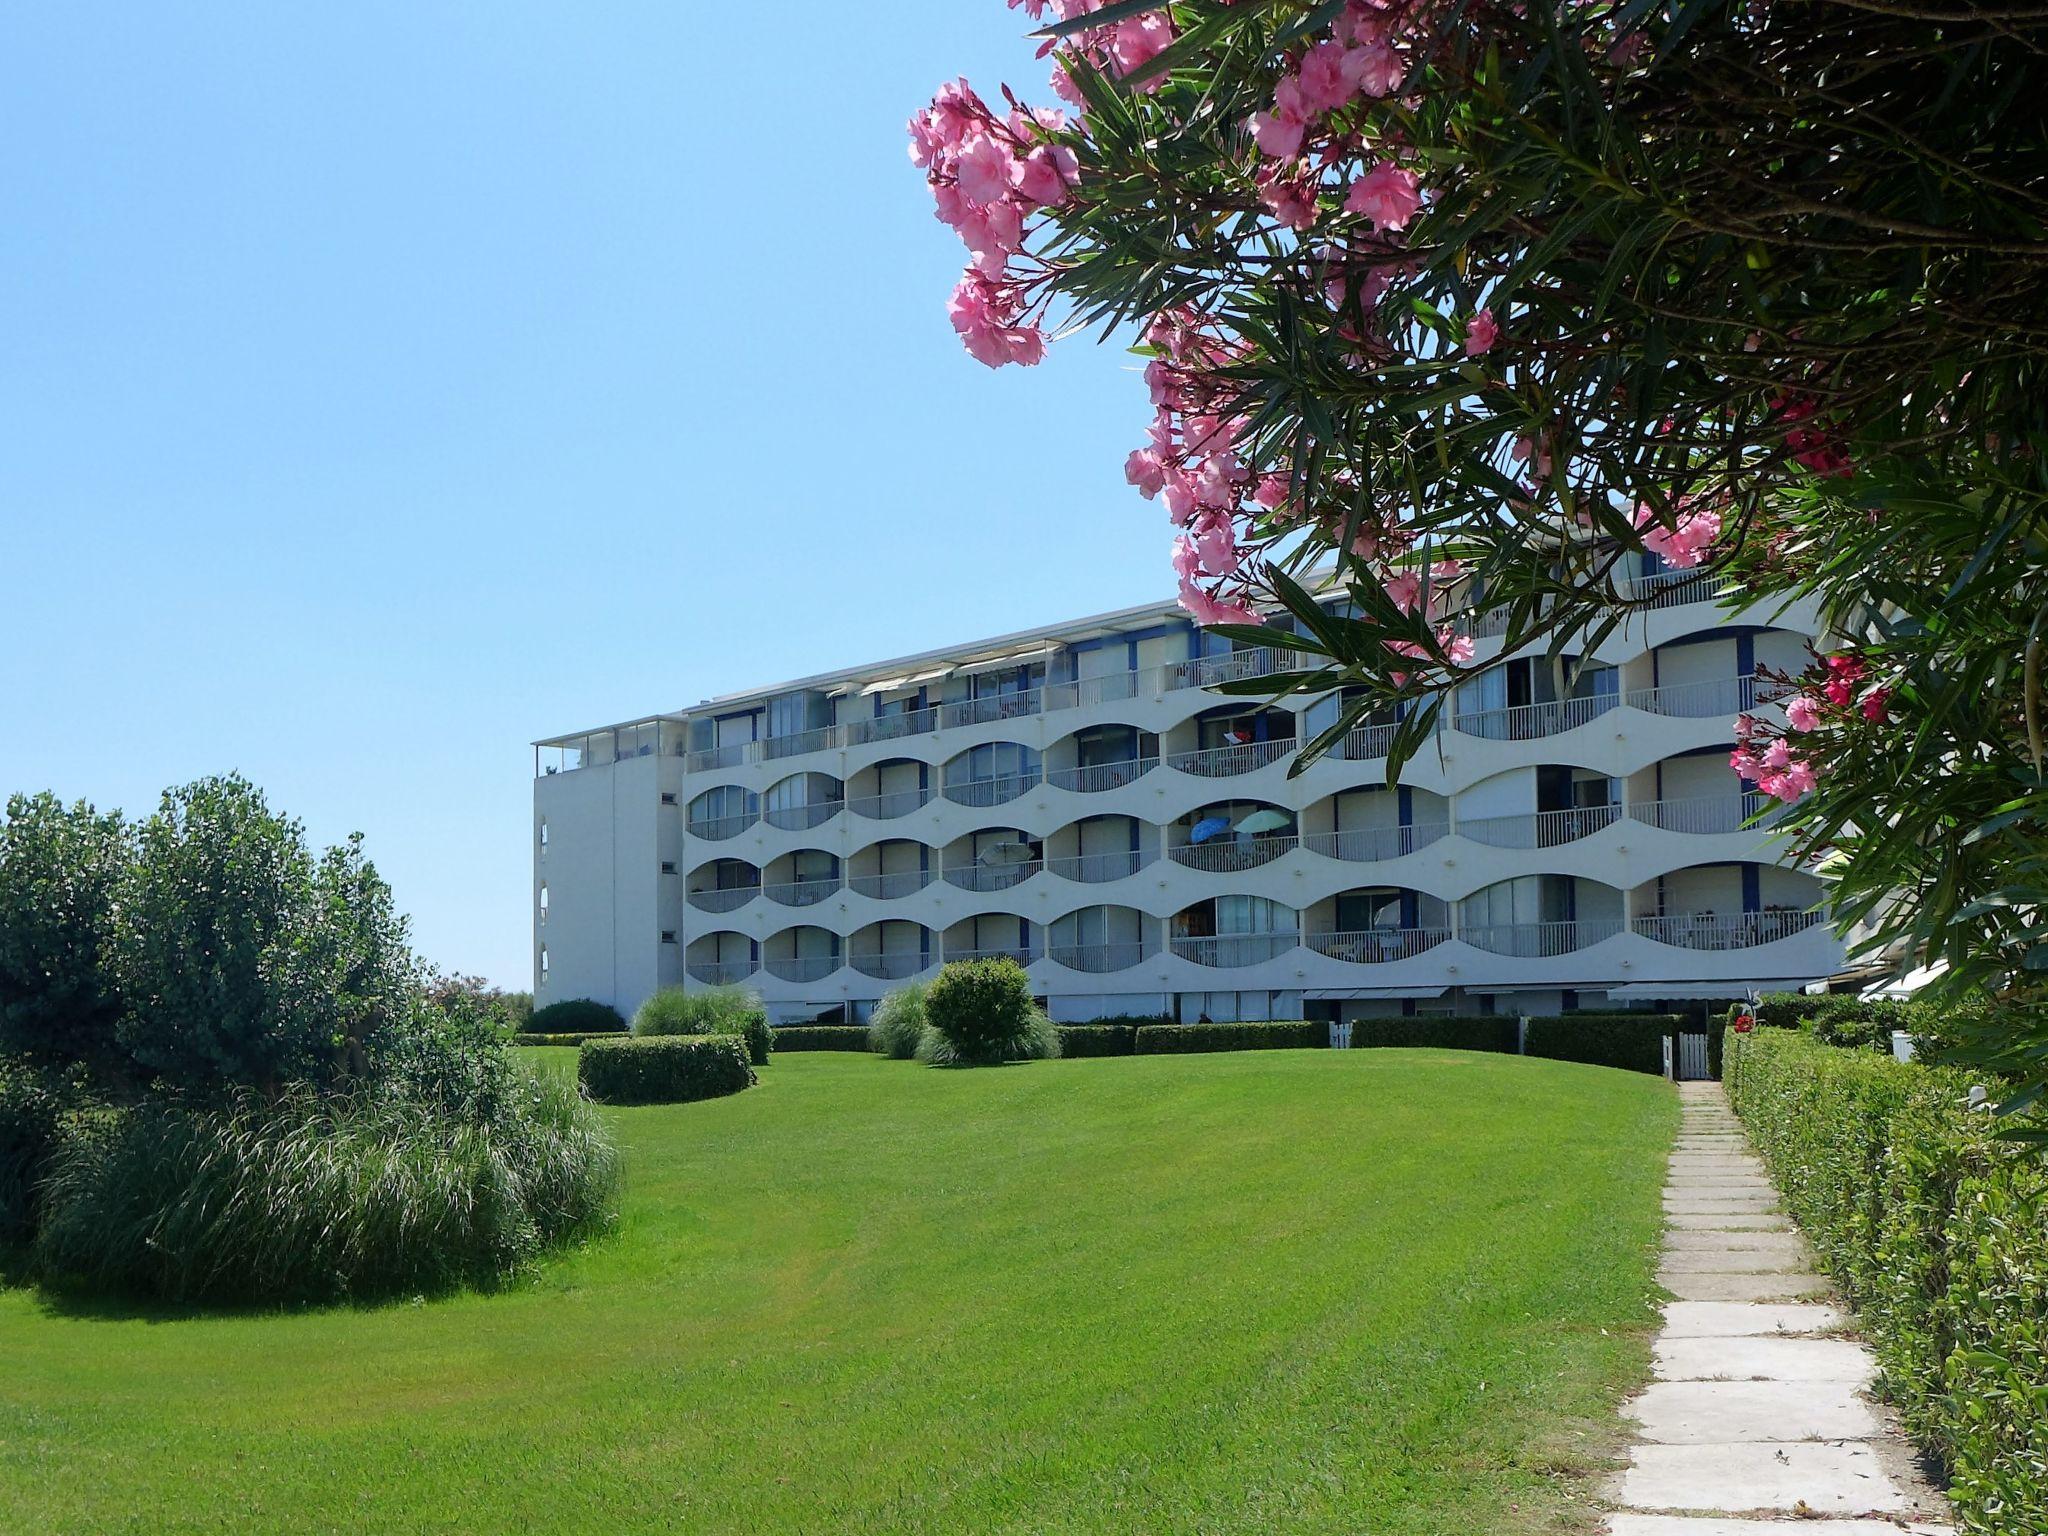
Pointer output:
x,y
1939,1234
576,1016
1464,1032
1098,1039
664,1069
821,1037
1842,1019
562,1039
1633,1042
1177,1039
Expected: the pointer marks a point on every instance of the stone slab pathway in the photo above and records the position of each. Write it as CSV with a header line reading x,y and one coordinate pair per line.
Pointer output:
x,y
1757,1418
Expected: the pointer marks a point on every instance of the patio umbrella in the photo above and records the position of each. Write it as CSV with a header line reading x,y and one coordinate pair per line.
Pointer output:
x,y
1265,821
1004,853
1208,827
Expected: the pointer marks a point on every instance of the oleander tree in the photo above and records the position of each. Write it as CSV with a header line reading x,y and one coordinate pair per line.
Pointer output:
x,y
1444,299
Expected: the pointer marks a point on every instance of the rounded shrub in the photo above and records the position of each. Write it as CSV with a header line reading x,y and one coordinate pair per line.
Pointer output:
x,y
898,1021
576,1016
729,1010
980,1013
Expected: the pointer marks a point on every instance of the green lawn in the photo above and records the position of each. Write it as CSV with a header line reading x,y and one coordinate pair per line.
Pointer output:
x,y
1384,1292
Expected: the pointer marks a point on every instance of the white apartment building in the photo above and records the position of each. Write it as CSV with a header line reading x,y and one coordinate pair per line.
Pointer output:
x,y
1079,797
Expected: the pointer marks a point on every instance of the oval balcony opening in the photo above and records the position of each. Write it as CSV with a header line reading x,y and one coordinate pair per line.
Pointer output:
x,y
1235,930
1231,835
993,773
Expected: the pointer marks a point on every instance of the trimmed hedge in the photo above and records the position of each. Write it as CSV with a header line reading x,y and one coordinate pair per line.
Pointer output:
x,y
1633,1042
1465,1032
1098,1039
1938,1232
1284,1035
1841,1019
664,1069
821,1037
562,1039
576,1016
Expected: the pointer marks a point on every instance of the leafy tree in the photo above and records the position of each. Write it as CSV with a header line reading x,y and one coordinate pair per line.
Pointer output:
x,y
60,867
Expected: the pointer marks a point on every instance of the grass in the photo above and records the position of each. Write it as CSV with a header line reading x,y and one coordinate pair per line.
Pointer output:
x,y
1395,1292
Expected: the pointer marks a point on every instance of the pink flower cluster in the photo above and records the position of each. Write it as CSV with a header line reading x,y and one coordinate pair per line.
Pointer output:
x,y
1811,444
1835,697
1358,60
1684,544
988,176
1117,48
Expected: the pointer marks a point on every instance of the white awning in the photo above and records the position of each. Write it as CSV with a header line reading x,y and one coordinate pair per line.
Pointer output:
x,y
1364,994
885,685
1005,663
1704,991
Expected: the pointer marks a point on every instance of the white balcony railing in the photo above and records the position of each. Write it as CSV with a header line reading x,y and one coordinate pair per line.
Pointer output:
x,y
1097,959
801,818
1234,949
798,743
1232,758
887,807
1539,829
991,877
1370,844
916,722
1023,954
1376,946
720,973
888,887
890,965
731,755
801,967
1233,666
996,791
1700,814
1669,589
1095,868
1536,941
997,706
800,893
1110,688
1093,778
726,900
1227,857
715,829
1530,722
1367,743
1718,931
1705,699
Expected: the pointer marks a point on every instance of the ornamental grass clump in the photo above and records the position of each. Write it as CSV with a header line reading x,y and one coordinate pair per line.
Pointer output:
x,y
980,1013
898,1022
726,1010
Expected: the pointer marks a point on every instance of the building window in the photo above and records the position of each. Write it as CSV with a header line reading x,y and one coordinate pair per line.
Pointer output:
x,y
543,905
668,797
543,837
668,935
543,962
668,866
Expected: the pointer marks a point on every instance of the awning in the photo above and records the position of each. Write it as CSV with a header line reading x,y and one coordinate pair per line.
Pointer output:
x,y
1650,991
1365,994
1004,663
907,680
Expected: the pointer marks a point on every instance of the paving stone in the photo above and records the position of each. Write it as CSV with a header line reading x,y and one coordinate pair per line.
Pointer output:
x,y
1694,1525
1742,1287
1727,1221
1689,1202
1725,1412
1788,1245
1732,1261
1703,1182
1829,1479
1771,1359
1747,1319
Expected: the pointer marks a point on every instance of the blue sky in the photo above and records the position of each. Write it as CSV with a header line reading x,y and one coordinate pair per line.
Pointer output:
x,y
385,385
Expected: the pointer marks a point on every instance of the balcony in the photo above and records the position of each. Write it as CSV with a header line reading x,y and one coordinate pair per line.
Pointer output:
x,y
888,887
800,893
916,722
1094,778
1023,954
1207,671
723,901
717,828
801,818
991,877
1539,829
1224,858
1707,698
1669,589
887,807
999,706
1735,930
732,755
1098,959
1232,758
1532,722
797,744
1095,868
996,791
1233,949
802,967
1367,845
1377,946
890,965
1366,743
1703,815
1540,941
1107,689
720,973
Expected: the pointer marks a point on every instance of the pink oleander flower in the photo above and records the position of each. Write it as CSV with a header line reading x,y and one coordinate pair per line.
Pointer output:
x,y
1405,591
1746,764
1144,470
1802,710
1480,334
982,167
1460,648
1047,175
1877,705
1386,194
1684,545
1271,492
985,315
1373,69
1291,200
1279,132
1138,41
1325,84
1209,608
1777,756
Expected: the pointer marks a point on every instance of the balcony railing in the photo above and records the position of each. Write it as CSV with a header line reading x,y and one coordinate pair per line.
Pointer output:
x,y
1233,949
991,877
887,887
996,791
887,807
1734,930
725,900
1669,589
1097,959
800,818
1232,758
800,893
1095,868
1093,778
890,965
799,742
1539,829
1109,688
716,829
732,755
1023,954
1206,671
1222,857
802,967
916,722
1530,722
720,973
1376,946
1366,743
1536,941
1364,845
1703,814
997,706
1706,698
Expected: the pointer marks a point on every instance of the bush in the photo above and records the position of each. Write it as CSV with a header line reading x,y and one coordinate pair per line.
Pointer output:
x,y
1633,1042
31,1109
730,1010
898,1022
59,869
576,1016
821,1037
1463,1032
347,1197
664,1069
1098,1039
1285,1035
1938,1232
570,1040
980,1013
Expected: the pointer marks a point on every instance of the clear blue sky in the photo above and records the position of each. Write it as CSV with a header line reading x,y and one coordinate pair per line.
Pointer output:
x,y
385,385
